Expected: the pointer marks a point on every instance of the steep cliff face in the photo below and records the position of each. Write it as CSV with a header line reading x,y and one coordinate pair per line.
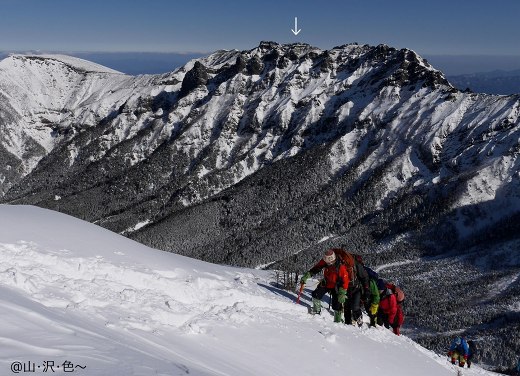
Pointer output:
x,y
268,156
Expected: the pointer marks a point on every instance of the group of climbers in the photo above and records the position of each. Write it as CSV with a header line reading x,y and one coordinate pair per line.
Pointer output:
x,y
352,286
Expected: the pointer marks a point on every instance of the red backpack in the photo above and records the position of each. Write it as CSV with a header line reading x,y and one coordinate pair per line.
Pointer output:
x,y
399,294
348,260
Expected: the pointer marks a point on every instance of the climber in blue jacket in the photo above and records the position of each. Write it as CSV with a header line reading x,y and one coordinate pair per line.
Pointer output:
x,y
459,350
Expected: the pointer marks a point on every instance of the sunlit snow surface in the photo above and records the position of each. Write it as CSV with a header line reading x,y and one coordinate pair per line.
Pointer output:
x,y
71,291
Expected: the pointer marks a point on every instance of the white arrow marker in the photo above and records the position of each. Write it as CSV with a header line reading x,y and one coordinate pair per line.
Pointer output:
x,y
296,31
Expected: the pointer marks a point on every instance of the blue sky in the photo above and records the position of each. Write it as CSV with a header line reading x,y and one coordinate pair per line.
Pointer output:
x,y
442,27
457,36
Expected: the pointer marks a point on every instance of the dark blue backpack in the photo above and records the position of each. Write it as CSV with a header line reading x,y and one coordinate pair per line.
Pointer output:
x,y
371,273
381,285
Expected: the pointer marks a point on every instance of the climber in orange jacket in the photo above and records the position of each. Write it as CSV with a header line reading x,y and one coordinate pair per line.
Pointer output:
x,y
335,281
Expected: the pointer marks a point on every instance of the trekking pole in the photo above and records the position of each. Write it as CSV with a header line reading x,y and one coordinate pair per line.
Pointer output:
x,y
300,293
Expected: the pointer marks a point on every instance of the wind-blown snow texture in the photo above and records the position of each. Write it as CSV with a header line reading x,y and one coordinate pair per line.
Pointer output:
x,y
101,301
251,158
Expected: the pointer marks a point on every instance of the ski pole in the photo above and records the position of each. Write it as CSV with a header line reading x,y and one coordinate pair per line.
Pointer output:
x,y
300,293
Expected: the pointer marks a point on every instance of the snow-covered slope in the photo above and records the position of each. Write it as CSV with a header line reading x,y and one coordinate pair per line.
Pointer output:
x,y
48,99
42,91
71,291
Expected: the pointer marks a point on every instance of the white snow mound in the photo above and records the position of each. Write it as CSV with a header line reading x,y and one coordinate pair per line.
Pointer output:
x,y
74,62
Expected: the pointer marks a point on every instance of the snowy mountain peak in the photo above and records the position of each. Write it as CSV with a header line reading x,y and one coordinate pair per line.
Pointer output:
x,y
71,62
401,67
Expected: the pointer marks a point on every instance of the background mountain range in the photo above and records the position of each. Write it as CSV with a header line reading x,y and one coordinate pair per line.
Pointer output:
x,y
266,157
480,74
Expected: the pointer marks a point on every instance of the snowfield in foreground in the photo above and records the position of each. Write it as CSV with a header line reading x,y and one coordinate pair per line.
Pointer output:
x,y
72,291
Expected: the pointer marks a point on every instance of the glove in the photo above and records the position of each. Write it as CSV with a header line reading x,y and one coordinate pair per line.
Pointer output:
x,y
305,277
342,295
373,309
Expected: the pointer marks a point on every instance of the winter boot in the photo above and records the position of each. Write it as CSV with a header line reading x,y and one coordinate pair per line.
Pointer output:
x,y
359,321
316,306
338,316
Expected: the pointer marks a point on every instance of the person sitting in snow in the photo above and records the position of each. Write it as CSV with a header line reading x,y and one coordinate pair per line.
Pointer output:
x,y
459,350
388,313
335,281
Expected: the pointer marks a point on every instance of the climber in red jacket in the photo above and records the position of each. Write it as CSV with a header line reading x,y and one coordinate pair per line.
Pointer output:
x,y
335,281
390,314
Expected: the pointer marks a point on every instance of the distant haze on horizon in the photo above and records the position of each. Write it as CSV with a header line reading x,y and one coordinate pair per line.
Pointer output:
x,y
452,65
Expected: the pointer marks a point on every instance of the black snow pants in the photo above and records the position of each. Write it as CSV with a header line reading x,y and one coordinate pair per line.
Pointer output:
x,y
322,290
353,306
